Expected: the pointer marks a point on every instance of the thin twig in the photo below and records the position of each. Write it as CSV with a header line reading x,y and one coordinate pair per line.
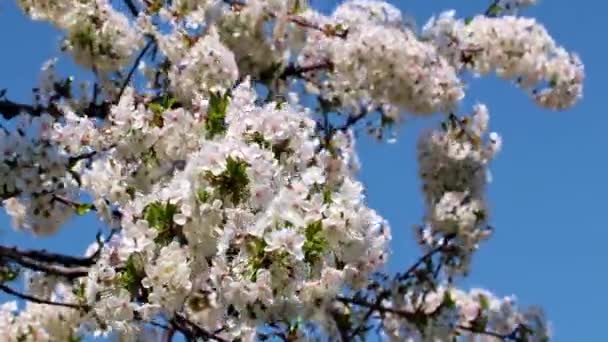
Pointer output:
x,y
192,330
133,68
385,294
297,70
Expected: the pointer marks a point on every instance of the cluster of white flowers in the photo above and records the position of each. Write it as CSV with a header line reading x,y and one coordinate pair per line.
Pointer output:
x,y
32,172
358,13
263,52
207,67
259,219
515,48
35,322
98,36
232,211
453,165
471,314
381,61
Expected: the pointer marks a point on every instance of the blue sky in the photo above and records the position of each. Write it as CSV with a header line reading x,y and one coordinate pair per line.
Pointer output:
x,y
547,197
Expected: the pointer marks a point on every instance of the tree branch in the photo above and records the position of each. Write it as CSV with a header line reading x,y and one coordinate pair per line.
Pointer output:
x,y
43,256
386,294
297,70
409,316
10,109
61,271
133,68
132,8
192,330
37,300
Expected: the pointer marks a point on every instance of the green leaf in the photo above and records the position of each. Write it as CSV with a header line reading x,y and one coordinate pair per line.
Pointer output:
x,y
8,273
257,138
158,119
130,278
149,157
327,195
75,338
158,108
131,192
554,81
85,37
79,291
494,10
160,217
315,243
216,115
198,302
233,182
468,20
257,257
483,301
448,302
83,208
299,6
203,196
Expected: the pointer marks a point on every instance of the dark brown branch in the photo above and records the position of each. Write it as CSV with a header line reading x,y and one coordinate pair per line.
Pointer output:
x,y
423,259
10,109
56,270
43,256
412,317
192,330
37,300
352,120
133,68
386,294
132,8
485,332
298,70
376,307
75,159
169,334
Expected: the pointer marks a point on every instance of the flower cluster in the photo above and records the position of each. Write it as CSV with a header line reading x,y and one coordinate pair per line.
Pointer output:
x,y
266,50
35,322
515,48
453,167
208,66
32,174
257,218
454,312
381,61
234,213
98,36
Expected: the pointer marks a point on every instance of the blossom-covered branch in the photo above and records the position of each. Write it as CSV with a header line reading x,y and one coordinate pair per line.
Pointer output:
x,y
217,143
